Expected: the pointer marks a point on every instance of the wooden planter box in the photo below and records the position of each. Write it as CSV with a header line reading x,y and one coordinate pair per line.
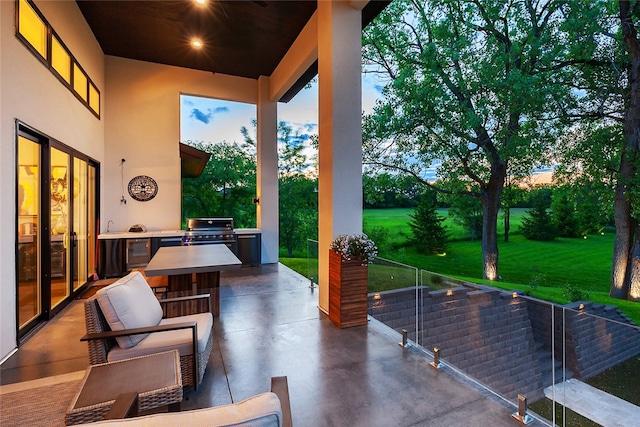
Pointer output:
x,y
348,301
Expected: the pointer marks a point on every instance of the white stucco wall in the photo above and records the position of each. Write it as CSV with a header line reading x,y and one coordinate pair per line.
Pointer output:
x,y
140,122
29,92
143,127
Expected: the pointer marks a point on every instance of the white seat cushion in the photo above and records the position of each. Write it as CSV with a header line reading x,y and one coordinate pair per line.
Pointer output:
x,y
262,410
129,303
165,341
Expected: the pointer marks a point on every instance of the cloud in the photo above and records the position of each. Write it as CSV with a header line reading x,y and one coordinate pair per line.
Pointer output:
x,y
311,127
208,116
296,140
200,116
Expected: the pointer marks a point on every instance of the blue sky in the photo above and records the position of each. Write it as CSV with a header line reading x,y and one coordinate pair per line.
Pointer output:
x,y
211,120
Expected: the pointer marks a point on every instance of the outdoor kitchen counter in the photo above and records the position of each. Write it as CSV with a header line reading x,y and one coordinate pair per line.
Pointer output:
x,y
246,230
162,233
130,235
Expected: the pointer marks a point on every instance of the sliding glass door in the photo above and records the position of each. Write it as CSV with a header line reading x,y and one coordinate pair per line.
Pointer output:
x,y
84,234
56,226
60,226
29,239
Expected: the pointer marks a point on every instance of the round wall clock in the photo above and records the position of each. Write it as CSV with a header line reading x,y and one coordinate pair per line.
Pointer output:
x,y
143,188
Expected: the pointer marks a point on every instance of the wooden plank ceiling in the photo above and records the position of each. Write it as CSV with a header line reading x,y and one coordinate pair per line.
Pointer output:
x,y
240,38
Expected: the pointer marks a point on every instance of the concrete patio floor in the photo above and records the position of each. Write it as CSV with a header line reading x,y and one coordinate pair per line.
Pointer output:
x,y
270,325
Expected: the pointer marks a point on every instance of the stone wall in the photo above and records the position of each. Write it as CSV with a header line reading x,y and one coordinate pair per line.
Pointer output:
x,y
501,339
597,337
483,332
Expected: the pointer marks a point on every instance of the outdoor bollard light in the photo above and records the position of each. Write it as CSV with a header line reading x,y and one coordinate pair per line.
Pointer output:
x,y
521,416
436,359
404,338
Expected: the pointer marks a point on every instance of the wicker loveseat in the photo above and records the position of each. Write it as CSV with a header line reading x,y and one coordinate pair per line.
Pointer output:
x,y
125,319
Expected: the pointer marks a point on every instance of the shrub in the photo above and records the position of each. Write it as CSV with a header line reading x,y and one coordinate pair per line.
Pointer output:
x,y
574,294
564,216
437,280
537,279
538,225
429,235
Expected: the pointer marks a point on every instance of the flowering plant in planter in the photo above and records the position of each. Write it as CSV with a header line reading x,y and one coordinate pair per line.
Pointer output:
x,y
355,246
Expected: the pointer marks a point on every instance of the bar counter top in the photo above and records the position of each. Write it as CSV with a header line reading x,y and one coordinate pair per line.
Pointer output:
x,y
141,235
162,233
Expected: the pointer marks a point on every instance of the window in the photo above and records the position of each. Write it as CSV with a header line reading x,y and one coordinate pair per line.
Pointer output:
x,y
94,99
80,82
36,33
32,28
60,59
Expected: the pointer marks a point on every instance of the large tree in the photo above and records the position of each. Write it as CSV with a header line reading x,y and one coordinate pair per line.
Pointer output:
x,y
482,85
625,278
604,154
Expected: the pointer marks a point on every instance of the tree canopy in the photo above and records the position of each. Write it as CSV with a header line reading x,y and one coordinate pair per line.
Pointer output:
x,y
225,187
484,86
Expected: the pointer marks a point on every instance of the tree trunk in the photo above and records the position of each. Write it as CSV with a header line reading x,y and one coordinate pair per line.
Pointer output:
x,y
490,209
625,275
634,273
507,223
622,246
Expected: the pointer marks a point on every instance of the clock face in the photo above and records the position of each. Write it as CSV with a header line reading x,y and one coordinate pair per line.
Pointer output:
x,y
143,188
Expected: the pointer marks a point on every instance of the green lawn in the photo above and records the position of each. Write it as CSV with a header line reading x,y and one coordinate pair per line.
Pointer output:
x,y
585,264
581,263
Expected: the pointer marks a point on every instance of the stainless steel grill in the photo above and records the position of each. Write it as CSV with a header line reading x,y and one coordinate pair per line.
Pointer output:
x,y
209,231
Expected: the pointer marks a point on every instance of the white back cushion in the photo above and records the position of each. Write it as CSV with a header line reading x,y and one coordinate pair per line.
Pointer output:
x,y
129,303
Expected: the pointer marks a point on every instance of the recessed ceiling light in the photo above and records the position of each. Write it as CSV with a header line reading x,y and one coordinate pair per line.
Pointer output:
x,y
200,1
196,43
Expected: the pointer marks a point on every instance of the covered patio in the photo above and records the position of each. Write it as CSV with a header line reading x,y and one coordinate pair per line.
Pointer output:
x,y
270,325
137,59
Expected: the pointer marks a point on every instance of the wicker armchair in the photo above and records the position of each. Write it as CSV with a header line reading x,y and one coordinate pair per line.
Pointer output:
x,y
104,347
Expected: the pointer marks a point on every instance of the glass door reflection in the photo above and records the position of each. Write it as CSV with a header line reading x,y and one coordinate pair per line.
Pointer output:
x,y
59,226
80,235
29,289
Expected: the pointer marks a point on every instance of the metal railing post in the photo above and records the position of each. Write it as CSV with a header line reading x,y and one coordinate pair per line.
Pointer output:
x,y
521,416
436,359
404,339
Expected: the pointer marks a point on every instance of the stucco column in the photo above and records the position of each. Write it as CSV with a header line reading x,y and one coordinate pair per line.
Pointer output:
x,y
267,173
340,130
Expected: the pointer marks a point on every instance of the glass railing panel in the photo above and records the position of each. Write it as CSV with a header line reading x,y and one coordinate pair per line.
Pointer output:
x,y
530,353
435,281
312,262
547,324
599,349
559,363
393,295
484,334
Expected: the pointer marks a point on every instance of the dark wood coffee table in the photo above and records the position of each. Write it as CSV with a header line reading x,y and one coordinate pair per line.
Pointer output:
x,y
155,378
